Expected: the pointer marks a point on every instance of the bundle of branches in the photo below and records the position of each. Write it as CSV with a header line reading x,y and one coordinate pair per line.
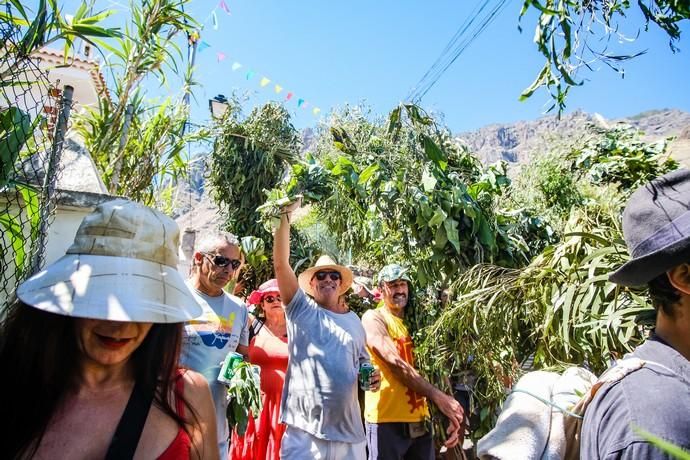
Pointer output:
x,y
560,309
250,156
405,190
306,180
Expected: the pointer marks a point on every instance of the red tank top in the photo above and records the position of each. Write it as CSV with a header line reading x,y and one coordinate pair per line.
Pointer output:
x,y
180,446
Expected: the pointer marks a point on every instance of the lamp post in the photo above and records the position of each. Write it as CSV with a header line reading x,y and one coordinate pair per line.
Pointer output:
x,y
218,105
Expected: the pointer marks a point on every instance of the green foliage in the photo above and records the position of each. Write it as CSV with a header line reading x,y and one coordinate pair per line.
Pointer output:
x,y
15,130
621,156
139,156
306,180
567,30
405,190
49,25
249,158
665,446
153,156
560,309
245,397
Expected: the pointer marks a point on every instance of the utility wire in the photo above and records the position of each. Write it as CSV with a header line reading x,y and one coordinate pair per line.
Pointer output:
x,y
455,47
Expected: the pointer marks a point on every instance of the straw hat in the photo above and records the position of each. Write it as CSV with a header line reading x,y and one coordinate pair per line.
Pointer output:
x,y
121,267
325,263
257,296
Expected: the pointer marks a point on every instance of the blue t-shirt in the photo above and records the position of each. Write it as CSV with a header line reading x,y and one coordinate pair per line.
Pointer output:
x,y
325,350
207,341
655,399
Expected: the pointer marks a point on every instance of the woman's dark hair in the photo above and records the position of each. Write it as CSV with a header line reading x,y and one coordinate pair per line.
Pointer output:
x,y
663,294
39,356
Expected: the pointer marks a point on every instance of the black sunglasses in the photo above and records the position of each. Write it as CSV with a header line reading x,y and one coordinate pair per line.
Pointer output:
x,y
222,261
335,276
271,299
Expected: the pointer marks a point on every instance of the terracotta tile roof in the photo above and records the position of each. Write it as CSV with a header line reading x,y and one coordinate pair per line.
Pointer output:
x,y
56,57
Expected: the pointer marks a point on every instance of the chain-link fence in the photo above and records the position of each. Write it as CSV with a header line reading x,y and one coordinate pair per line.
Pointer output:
x,y
33,120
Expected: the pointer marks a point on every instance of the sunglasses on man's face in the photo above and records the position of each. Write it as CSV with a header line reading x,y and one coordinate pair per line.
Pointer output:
x,y
271,299
222,261
334,276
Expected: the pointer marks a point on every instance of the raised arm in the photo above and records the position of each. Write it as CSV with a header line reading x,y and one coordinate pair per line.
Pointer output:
x,y
287,281
382,345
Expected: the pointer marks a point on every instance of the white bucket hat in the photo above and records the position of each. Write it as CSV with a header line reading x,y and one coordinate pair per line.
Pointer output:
x,y
121,267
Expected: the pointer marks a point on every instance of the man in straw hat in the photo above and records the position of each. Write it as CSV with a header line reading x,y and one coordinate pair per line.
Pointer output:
x,y
224,325
326,344
397,415
656,397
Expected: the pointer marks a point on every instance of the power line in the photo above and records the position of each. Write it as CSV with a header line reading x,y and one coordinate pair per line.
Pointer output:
x,y
455,47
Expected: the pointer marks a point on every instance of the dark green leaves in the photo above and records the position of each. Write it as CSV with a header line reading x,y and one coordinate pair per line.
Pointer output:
x,y
15,129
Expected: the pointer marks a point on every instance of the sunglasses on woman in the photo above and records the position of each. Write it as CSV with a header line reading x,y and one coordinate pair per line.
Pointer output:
x,y
271,299
334,276
222,261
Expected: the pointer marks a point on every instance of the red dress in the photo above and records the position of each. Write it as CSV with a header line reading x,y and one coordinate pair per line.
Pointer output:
x,y
262,439
180,446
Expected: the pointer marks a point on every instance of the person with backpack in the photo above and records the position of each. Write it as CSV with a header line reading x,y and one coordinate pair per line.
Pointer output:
x,y
268,349
655,397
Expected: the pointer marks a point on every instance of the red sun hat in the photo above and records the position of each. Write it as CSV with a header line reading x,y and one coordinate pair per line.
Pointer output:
x,y
257,296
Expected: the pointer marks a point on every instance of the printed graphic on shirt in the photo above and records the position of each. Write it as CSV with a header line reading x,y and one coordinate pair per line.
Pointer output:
x,y
404,345
214,331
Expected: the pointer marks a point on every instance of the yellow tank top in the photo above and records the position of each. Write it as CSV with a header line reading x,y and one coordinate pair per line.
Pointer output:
x,y
394,402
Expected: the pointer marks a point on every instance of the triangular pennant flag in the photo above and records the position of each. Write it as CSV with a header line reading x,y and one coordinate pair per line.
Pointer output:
x,y
202,46
214,18
264,81
278,89
288,97
300,102
236,65
250,74
220,55
316,110
223,6
305,105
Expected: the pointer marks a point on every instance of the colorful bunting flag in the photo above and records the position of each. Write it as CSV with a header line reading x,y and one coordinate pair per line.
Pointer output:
x,y
202,46
235,66
316,110
305,105
278,89
221,56
214,18
300,102
223,6
250,74
288,97
264,81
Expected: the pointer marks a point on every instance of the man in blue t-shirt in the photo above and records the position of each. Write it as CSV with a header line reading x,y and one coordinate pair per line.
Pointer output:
x,y
656,397
223,328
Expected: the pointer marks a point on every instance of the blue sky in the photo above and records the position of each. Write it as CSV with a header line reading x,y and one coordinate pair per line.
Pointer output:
x,y
333,53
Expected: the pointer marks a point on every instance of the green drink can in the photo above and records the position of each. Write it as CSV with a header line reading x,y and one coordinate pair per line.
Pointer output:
x,y
365,372
227,370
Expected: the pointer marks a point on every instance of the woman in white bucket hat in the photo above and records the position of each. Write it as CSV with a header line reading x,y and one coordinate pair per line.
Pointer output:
x,y
90,349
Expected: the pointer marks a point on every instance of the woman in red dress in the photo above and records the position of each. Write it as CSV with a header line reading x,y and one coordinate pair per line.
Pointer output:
x,y
268,350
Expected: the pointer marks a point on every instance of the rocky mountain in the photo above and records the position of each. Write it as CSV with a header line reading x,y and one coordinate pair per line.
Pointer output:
x,y
515,143
518,142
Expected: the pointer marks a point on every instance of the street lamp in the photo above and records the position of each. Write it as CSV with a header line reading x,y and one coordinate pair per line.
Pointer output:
x,y
218,105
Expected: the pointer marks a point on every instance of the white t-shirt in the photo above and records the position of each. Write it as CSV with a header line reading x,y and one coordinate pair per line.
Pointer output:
x,y
325,350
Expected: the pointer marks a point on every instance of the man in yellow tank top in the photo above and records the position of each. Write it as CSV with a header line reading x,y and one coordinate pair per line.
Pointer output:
x,y
395,415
